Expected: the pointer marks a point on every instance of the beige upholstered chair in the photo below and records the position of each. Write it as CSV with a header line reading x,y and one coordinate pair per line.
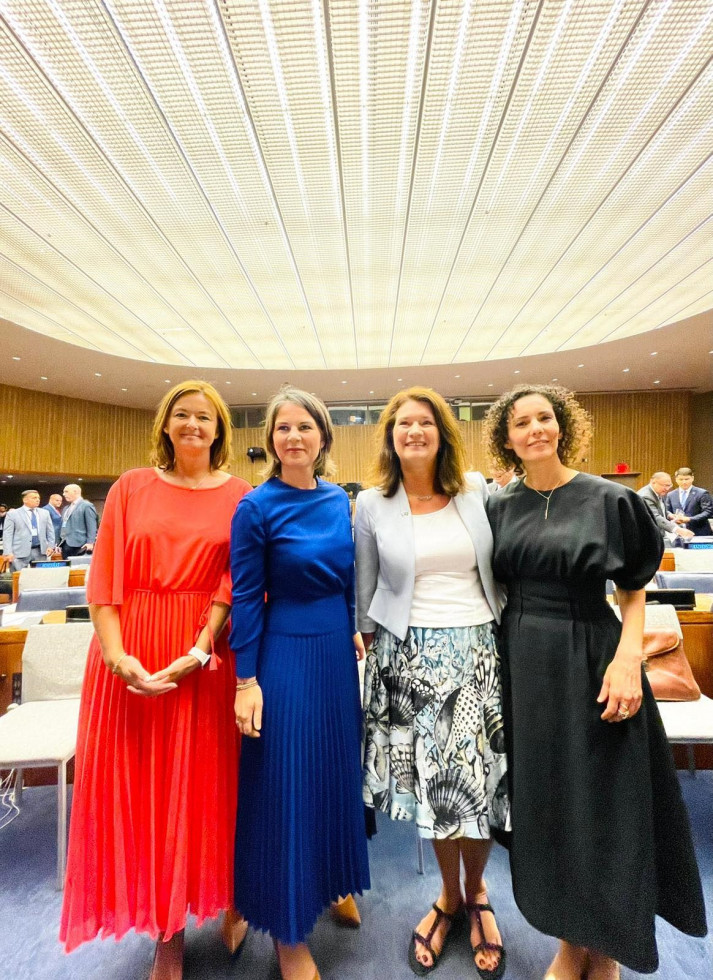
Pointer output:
x,y
42,730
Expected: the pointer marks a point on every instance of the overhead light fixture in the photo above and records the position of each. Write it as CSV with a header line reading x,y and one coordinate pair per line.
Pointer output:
x,y
657,382
516,372
43,377
655,352
124,389
16,358
413,47
364,99
97,374
580,365
626,370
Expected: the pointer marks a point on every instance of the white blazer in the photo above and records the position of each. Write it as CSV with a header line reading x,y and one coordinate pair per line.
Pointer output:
x,y
386,555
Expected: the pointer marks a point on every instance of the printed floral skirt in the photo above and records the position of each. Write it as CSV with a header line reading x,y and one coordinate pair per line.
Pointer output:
x,y
434,740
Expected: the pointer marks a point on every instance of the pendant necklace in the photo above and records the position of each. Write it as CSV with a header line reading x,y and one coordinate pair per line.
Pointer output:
x,y
547,497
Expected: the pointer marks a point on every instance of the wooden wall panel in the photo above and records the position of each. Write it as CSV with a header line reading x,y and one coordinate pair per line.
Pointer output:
x,y
41,433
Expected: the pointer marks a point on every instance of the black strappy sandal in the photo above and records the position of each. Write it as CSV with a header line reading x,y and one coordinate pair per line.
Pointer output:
x,y
476,908
420,969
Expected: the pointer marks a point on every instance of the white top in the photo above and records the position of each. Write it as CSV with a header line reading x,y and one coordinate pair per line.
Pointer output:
x,y
447,590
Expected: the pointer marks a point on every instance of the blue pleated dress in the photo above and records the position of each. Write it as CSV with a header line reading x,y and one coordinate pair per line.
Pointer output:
x,y
300,837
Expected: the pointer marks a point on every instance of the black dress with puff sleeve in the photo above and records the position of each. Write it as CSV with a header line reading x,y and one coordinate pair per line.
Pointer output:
x,y
601,840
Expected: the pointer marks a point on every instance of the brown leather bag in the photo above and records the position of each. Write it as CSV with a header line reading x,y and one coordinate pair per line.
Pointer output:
x,y
667,667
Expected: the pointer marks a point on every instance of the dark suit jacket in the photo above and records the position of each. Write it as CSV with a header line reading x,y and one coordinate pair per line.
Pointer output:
x,y
699,507
656,506
81,526
56,520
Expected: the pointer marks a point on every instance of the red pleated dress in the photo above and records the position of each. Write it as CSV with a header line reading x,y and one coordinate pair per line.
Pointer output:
x,y
153,810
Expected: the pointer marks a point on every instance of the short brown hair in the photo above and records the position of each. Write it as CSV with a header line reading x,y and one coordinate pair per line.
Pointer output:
x,y
289,395
574,421
162,451
450,461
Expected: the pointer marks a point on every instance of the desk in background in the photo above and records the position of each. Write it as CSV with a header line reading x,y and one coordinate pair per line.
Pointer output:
x,y
76,577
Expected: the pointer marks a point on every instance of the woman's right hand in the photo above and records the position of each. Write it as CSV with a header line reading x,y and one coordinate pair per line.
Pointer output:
x,y
137,679
248,711
368,639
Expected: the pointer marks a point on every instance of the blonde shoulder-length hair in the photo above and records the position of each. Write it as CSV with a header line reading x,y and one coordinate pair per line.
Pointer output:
x,y
451,459
162,452
289,395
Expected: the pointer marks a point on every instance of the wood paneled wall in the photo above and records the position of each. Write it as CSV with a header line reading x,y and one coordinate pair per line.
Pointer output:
x,y
41,433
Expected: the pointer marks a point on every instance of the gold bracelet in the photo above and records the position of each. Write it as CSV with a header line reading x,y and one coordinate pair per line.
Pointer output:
x,y
114,666
246,685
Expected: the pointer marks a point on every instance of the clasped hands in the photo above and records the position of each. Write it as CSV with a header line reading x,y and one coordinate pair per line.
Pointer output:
x,y
139,681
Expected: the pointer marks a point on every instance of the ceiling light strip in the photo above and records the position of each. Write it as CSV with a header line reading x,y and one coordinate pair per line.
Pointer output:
x,y
364,100
450,94
329,51
645,272
483,174
637,231
409,99
555,173
29,153
260,158
534,92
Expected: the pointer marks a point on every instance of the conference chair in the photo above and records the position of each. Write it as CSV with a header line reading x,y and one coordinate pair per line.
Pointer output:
x,y
698,581
42,731
34,579
74,595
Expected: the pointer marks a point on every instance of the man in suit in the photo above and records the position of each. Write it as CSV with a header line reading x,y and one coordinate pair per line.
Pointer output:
x,y
79,523
689,506
501,478
654,496
27,533
54,509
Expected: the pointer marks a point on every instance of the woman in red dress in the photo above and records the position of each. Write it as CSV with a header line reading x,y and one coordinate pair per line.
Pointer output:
x,y
153,812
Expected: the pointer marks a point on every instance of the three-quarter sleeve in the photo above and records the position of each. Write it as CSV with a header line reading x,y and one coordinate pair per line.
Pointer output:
x,y
247,564
106,582
635,552
367,565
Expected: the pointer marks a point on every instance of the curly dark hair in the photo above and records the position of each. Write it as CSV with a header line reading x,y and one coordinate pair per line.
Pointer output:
x,y
574,421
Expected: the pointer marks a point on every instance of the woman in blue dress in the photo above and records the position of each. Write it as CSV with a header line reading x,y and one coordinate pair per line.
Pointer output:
x,y
300,836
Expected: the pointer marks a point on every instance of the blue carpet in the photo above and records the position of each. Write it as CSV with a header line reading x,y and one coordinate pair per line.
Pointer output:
x,y
29,914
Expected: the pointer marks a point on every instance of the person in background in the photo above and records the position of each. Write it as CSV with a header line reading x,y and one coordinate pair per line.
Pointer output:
x,y
600,835
79,523
501,478
3,512
28,534
153,811
428,608
300,836
54,509
689,506
654,496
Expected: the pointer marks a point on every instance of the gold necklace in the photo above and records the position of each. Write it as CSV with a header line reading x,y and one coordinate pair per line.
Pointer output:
x,y
425,496
545,496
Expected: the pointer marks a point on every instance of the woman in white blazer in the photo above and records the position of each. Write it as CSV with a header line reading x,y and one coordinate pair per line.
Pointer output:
x,y
427,607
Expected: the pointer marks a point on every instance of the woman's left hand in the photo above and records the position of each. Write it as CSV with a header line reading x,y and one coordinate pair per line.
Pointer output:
x,y
621,687
177,670
359,646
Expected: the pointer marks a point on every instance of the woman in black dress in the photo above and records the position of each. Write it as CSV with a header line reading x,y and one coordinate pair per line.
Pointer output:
x,y
601,842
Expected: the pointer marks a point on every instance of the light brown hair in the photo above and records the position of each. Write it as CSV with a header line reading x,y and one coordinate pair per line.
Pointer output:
x,y
162,451
575,424
289,395
450,461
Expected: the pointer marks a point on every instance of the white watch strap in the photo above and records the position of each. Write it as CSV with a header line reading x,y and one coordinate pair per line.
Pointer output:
x,y
200,656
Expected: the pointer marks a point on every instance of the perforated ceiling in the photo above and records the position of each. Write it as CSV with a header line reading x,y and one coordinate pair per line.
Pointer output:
x,y
304,184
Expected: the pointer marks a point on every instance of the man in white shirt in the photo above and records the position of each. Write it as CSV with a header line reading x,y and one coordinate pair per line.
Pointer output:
x,y
27,533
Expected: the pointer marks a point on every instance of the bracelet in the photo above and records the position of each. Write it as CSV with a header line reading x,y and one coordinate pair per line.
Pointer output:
x,y
246,685
115,665
200,655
